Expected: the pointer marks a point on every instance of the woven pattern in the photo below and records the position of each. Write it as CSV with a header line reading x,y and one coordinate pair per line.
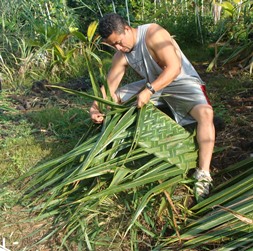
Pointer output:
x,y
162,136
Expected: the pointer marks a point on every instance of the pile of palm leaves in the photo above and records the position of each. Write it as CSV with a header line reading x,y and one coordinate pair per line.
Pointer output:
x,y
224,220
132,151
128,180
141,158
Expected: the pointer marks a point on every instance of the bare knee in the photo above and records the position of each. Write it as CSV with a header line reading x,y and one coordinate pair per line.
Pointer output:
x,y
206,114
202,113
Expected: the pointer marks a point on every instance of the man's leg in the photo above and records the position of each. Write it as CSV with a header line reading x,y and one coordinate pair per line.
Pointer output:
x,y
125,92
203,114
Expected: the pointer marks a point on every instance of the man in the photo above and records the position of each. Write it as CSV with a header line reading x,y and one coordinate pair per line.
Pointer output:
x,y
169,79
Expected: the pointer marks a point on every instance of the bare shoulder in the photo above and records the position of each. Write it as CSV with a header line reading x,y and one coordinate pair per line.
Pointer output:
x,y
155,27
119,60
162,46
157,37
157,32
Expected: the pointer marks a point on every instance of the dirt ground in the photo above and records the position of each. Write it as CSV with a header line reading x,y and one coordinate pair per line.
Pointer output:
x,y
236,135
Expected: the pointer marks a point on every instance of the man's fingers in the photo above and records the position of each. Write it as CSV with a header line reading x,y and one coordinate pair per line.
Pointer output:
x,y
97,118
140,104
97,122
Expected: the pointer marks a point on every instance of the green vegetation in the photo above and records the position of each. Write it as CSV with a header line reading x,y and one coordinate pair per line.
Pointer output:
x,y
67,184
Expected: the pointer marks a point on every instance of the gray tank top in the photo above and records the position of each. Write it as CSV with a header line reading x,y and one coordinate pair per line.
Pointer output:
x,y
142,62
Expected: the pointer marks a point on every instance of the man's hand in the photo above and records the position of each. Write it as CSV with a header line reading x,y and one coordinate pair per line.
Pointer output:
x,y
96,116
143,98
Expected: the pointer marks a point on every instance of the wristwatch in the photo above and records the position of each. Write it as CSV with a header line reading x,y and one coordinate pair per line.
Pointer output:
x,y
150,87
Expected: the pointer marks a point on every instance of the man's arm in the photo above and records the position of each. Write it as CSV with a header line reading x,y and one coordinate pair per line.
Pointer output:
x,y
165,52
116,73
114,78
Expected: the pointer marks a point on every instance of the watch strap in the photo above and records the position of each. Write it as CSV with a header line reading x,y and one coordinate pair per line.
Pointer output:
x,y
150,87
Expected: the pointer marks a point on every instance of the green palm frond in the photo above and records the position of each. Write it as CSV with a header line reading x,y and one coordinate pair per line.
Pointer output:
x,y
226,215
146,155
77,183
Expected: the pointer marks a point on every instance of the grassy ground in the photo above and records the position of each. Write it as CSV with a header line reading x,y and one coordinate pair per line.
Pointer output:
x,y
42,124
51,125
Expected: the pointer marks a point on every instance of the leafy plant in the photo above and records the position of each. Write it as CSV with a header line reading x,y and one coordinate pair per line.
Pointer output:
x,y
236,36
21,61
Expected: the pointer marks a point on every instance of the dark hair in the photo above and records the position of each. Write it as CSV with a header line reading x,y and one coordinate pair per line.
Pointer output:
x,y
110,23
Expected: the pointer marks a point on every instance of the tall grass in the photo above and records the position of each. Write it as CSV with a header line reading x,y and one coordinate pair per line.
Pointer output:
x,y
37,39
30,30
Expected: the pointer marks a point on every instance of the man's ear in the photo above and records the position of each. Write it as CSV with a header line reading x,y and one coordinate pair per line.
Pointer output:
x,y
127,28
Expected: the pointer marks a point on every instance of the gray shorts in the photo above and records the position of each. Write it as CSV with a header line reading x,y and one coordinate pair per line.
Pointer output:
x,y
180,96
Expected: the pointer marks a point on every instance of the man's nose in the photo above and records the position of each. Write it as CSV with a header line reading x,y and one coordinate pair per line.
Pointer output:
x,y
118,47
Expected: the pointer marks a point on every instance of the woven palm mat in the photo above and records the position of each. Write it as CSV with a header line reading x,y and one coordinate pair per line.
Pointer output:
x,y
162,136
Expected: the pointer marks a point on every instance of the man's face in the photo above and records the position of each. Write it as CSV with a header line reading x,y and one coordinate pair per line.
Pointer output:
x,y
122,42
